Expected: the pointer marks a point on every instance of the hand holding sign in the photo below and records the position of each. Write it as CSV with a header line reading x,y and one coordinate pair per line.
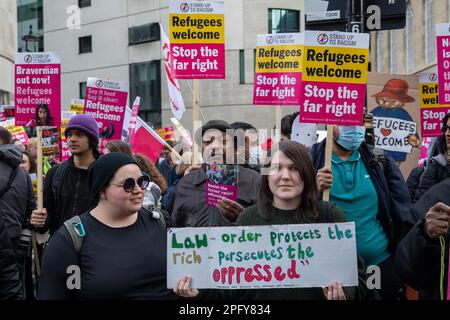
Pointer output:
x,y
334,291
437,220
324,179
38,217
183,288
229,209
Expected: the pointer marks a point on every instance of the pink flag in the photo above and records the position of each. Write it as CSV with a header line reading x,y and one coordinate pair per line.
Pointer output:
x,y
147,142
175,97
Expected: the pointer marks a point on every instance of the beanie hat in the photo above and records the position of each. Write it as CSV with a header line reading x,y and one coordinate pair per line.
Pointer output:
x,y
104,168
85,123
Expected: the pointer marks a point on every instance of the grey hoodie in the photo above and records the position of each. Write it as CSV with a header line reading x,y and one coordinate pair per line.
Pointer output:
x,y
18,201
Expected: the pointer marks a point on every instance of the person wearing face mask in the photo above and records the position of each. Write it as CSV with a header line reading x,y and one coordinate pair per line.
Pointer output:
x,y
372,192
250,150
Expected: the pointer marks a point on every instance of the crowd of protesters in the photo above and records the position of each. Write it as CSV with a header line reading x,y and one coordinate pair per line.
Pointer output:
x,y
108,214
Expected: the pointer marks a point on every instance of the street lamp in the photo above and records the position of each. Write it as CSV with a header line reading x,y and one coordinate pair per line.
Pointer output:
x,y
30,37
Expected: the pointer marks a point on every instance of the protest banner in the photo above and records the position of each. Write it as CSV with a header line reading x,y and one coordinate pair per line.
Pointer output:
x,y
166,133
2,113
393,134
443,61
334,77
37,83
33,177
276,256
184,133
278,71
197,39
50,141
431,112
65,117
426,142
9,111
77,106
173,87
17,132
132,122
106,101
221,182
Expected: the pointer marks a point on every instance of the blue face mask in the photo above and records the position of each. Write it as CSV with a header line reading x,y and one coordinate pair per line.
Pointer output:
x,y
351,137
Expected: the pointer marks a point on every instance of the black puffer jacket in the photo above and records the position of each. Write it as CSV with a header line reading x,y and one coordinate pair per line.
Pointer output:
x,y
72,196
418,257
18,201
10,285
413,181
437,171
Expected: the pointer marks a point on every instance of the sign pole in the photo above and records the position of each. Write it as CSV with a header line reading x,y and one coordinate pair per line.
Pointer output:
x,y
40,194
196,118
328,150
329,142
278,120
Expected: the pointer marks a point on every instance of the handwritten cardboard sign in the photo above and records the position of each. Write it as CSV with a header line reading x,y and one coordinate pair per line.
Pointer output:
x,y
392,134
276,256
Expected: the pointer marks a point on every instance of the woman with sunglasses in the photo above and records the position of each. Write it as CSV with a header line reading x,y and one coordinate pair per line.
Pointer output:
x,y
123,250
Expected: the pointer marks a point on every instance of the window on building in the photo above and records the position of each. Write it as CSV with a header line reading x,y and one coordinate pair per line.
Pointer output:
x,y
5,97
429,24
83,90
393,53
448,10
84,3
145,82
409,39
145,33
30,19
283,21
241,66
85,44
379,52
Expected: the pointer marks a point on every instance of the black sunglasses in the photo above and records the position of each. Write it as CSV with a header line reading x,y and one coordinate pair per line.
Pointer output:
x,y
129,183
445,128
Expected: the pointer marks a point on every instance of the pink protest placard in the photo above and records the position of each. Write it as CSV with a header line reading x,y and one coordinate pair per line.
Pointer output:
x,y
334,77
2,114
37,89
9,111
221,183
65,117
197,39
431,111
424,151
106,101
443,61
17,132
278,69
